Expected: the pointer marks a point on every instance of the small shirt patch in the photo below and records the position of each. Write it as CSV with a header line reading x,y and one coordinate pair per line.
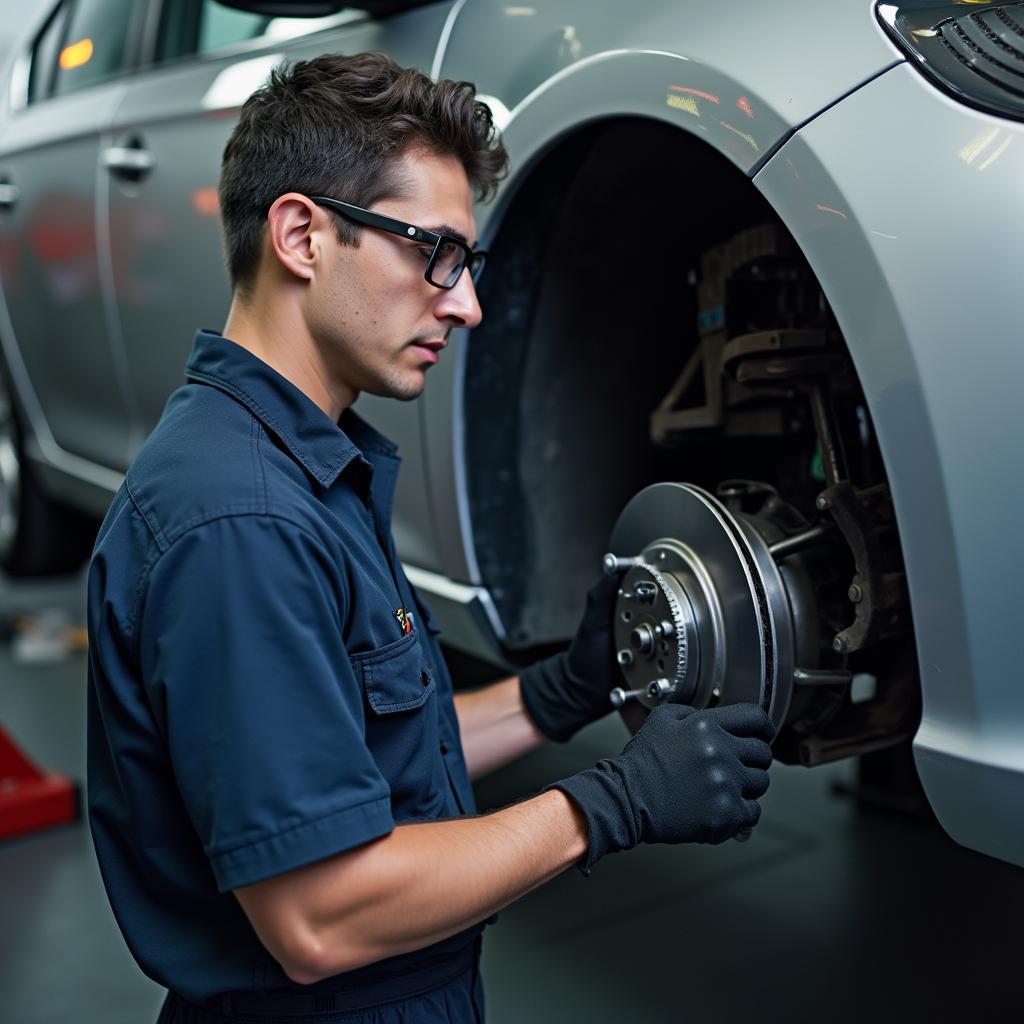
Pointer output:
x,y
404,620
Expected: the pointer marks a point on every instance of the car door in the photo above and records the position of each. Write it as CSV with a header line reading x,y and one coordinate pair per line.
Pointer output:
x,y
53,222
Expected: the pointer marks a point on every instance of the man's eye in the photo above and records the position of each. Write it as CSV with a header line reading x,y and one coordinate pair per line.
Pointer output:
x,y
447,250
425,253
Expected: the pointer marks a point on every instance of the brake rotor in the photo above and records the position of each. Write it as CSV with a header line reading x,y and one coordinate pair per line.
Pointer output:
x,y
702,616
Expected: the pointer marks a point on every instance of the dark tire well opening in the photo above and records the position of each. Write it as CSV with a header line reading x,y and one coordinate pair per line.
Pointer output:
x,y
590,313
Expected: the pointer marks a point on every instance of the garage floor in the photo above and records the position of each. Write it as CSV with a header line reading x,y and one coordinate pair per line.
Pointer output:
x,y
832,911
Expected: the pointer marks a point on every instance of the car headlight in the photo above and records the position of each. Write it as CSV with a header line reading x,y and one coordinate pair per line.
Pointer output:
x,y
973,49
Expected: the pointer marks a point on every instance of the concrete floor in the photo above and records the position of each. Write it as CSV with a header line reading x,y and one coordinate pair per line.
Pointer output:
x,y
831,912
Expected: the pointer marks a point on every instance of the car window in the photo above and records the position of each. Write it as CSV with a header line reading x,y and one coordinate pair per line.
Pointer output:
x,y
45,53
93,44
189,27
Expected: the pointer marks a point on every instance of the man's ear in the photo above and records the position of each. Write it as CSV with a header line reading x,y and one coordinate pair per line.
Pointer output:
x,y
295,230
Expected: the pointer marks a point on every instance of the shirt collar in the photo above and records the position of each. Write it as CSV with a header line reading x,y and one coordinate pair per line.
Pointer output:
x,y
313,439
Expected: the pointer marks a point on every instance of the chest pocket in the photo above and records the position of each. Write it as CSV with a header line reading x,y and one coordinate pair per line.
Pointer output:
x,y
402,729
396,677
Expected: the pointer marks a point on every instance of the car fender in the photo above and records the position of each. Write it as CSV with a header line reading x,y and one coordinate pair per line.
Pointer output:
x,y
871,190
769,67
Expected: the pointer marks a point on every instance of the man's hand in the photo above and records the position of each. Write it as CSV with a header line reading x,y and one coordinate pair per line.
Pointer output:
x,y
569,690
686,777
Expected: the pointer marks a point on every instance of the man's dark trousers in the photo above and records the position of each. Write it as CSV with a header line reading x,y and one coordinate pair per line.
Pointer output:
x,y
460,1001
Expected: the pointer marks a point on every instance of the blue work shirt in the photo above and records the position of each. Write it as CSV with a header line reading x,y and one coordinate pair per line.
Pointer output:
x,y
266,688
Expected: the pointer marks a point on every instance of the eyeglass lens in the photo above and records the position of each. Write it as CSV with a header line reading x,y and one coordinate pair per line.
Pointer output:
x,y
448,264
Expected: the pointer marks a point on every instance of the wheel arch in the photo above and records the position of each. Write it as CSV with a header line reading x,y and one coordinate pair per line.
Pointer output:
x,y
555,122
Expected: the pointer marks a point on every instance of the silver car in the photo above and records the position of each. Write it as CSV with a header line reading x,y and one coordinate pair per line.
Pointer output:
x,y
752,331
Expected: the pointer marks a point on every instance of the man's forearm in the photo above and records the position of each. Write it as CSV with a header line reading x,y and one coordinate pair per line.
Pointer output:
x,y
416,886
495,727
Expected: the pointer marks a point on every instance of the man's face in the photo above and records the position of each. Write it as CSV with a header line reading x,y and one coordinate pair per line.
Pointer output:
x,y
378,325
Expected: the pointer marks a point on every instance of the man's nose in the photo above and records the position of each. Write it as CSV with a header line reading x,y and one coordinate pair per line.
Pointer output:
x,y
460,303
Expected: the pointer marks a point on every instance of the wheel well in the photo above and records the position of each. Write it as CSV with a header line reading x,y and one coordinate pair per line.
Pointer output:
x,y
589,299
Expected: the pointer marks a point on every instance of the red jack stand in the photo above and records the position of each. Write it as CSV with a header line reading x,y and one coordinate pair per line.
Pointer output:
x,y
31,799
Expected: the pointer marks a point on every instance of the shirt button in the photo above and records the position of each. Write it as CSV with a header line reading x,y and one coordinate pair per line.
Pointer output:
x,y
444,747
424,677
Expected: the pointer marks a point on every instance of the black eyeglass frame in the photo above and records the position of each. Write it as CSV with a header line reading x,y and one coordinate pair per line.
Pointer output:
x,y
474,258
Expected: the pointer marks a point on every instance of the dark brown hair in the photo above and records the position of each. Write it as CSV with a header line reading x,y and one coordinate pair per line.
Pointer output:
x,y
337,125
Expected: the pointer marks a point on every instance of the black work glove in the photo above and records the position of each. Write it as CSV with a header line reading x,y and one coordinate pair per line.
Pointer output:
x,y
686,777
567,691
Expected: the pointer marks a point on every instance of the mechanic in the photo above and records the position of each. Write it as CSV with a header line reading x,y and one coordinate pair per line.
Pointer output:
x,y
278,769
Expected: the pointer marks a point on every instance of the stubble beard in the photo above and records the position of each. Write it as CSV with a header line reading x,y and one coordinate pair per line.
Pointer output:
x,y
403,386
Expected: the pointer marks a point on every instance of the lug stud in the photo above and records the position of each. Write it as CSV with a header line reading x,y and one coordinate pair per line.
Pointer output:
x,y
619,696
613,564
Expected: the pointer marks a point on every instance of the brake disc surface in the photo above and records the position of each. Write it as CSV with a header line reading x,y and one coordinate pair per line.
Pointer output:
x,y
702,616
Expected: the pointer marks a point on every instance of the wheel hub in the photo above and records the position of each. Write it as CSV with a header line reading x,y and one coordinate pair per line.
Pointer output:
x,y
655,633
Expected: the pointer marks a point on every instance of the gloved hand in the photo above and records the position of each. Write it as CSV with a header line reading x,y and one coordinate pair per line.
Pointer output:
x,y
686,777
567,691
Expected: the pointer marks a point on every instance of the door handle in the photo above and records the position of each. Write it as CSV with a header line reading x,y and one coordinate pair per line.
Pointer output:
x,y
128,161
8,195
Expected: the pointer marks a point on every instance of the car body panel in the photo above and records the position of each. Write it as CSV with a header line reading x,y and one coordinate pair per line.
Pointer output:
x,y
54,271
941,370
773,54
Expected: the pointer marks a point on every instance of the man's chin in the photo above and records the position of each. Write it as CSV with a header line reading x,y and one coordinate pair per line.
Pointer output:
x,y
406,388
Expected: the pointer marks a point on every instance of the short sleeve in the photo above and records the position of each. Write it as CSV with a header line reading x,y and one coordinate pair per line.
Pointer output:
x,y
243,659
